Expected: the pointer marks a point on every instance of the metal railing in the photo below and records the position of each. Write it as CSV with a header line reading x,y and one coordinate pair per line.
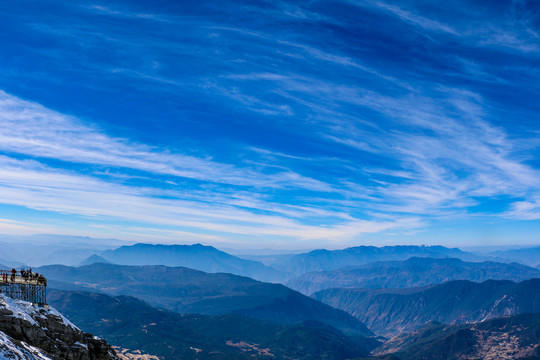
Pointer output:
x,y
21,286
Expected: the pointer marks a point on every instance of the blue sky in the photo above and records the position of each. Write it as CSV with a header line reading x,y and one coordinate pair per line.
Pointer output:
x,y
285,124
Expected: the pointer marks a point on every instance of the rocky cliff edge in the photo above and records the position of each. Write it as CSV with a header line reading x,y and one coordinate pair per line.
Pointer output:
x,y
31,332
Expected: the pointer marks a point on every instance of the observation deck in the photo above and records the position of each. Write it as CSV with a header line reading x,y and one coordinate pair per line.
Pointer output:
x,y
28,288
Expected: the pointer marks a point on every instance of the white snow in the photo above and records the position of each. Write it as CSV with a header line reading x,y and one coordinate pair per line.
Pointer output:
x,y
12,351
20,309
27,311
81,345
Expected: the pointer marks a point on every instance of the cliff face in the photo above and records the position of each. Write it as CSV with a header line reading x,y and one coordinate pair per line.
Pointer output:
x,y
28,333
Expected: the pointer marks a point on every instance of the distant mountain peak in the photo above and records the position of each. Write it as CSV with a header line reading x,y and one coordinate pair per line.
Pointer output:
x,y
195,256
93,259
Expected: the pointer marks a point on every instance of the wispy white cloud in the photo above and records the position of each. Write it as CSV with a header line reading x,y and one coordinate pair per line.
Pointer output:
x,y
30,129
33,185
403,149
125,13
442,147
507,30
33,131
409,16
448,150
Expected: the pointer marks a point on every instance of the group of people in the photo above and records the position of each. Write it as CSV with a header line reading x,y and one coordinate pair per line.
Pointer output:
x,y
25,274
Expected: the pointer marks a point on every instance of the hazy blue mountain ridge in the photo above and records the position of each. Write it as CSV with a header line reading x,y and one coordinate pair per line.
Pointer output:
x,y
412,272
197,256
326,260
94,259
37,250
529,256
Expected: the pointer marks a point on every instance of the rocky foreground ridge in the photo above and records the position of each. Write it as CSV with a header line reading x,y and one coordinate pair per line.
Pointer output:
x,y
29,332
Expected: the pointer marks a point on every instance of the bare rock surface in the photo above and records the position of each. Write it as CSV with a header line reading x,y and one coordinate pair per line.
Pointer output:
x,y
30,332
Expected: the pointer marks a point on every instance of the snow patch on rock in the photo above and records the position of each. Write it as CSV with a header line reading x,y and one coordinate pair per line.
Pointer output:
x,y
12,351
27,311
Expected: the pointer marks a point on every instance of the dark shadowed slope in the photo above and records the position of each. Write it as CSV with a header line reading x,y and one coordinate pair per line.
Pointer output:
x,y
391,311
516,337
191,291
199,257
133,324
325,260
410,273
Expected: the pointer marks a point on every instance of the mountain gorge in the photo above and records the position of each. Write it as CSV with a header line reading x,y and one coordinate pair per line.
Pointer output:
x,y
516,337
389,312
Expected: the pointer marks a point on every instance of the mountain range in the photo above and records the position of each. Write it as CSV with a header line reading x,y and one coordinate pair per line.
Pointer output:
x,y
197,256
529,256
36,250
326,260
186,290
133,324
276,267
412,272
432,302
389,312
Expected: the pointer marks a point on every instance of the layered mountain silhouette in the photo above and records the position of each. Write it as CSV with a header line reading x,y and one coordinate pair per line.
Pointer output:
x,y
516,337
38,250
94,259
325,260
413,272
133,324
529,256
186,290
389,312
197,256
